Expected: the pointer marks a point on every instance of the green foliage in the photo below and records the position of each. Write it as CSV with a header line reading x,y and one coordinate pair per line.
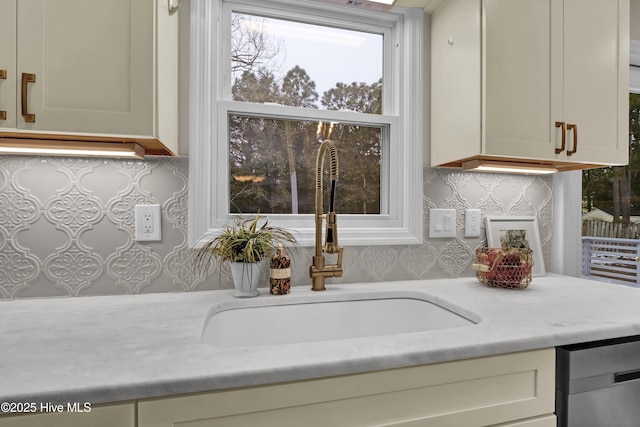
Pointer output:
x,y
281,153
617,189
245,241
298,90
358,97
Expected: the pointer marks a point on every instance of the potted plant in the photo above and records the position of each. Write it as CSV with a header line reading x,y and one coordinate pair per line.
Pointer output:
x,y
244,245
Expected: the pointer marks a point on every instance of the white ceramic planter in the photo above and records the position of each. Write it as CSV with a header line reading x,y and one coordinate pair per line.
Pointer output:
x,y
245,278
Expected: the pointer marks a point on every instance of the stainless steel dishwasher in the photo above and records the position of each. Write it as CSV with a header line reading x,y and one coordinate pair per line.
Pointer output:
x,y
598,384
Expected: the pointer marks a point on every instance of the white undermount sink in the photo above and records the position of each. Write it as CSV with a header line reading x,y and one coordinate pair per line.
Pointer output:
x,y
290,323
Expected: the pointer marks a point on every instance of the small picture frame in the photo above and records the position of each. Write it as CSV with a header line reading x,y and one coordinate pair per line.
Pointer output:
x,y
516,232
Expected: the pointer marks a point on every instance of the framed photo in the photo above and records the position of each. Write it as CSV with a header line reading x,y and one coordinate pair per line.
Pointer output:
x,y
516,232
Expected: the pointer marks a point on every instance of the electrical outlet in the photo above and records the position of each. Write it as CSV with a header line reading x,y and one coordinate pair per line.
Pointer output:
x,y
148,223
472,222
442,223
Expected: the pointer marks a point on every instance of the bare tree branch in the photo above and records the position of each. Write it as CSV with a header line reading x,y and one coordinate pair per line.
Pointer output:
x,y
251,46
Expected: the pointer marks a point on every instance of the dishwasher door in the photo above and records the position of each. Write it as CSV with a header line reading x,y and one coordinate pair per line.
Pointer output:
x,y
598,384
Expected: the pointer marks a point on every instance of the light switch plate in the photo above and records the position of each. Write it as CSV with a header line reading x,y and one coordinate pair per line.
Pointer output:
x,y
442,223
148,223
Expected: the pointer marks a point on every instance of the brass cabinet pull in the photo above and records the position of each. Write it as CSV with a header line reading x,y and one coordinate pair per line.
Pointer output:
x,y
26,79
564,136
574,128
3,76
173,9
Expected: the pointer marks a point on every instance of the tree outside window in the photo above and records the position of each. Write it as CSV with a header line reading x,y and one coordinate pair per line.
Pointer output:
x,y
616,190
271,159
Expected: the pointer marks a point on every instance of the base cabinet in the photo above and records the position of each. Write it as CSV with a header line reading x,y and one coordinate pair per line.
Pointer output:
x,y
117,415
547,421
514,388
511,390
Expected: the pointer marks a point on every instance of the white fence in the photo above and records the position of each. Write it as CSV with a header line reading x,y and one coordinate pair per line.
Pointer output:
x,y
611,260
620,230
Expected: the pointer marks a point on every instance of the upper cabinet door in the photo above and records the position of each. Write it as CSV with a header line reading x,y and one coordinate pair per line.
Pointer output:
x,y
8,63
456,81
92,62
551,71
520,92
596,79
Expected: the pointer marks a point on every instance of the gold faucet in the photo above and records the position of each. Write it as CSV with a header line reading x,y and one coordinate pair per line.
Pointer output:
x,y
319,270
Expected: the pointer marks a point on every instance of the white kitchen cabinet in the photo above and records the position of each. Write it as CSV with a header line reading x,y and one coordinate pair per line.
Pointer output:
x,y
507,73
113,415
545,421
90,70
7,62
517,388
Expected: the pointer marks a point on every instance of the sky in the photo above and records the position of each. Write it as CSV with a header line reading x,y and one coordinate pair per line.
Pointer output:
x,y
328,55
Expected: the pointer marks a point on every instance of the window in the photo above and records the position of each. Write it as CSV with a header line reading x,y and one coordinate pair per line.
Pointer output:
x,y
612,193
270,80
578,190
272,164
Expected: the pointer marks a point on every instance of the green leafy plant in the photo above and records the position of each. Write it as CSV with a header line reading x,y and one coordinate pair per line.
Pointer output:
x,y
249,239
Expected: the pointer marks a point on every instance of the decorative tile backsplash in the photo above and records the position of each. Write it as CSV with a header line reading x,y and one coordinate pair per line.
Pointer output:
x,y
67,228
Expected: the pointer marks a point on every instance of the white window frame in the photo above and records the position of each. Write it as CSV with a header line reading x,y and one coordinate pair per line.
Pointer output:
x,y
403,113
567,199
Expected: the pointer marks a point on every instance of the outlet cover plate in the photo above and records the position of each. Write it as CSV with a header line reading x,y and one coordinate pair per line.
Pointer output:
x,y
472,222
442,223
148,223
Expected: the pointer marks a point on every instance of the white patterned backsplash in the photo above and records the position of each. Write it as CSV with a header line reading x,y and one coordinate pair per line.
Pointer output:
x,y
67,228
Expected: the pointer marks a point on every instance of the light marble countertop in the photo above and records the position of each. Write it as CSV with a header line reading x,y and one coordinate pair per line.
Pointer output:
x,y
114,348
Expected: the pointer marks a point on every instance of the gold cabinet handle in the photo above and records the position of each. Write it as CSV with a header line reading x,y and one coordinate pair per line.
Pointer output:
x,y
564,136
3,76
173,9
574,128
26,79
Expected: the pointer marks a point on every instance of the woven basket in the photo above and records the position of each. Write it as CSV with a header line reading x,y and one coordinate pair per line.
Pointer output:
x,y
504,267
